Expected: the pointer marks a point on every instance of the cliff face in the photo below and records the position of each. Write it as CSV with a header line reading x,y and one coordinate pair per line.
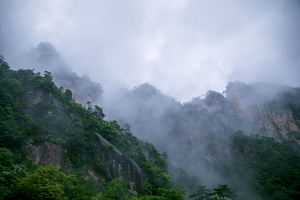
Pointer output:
x,y
35,98
52,150
267,110
49,153
281,126
118,165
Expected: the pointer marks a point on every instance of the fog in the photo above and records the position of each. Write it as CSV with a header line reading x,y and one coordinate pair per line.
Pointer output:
x,y
183,47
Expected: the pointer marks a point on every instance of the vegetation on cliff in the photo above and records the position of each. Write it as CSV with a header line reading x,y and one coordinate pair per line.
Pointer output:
x,y
58,119
272,168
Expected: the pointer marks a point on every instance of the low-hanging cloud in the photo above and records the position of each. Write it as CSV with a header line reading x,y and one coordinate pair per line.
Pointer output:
x,y
183,47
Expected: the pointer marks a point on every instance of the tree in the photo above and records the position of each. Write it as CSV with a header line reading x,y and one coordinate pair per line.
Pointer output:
x,y
164,194
172,194
98,113
45,183
145,189
48,75
10,173
116,190
68,96
203,193
223,191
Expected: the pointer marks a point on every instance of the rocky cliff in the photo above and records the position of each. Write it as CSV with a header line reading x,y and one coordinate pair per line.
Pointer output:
x,y
118,165
48,152
52,151
266,109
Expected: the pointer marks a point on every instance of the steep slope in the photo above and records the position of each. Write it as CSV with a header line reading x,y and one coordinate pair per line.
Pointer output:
x,y
50,112
268,110
42,124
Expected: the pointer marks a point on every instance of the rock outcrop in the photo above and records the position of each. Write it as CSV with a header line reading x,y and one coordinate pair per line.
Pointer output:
x,y
120,166
52,151
49,153
267,110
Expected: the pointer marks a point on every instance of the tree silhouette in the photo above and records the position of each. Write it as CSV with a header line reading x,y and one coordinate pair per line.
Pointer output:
x,y
223,191
203,193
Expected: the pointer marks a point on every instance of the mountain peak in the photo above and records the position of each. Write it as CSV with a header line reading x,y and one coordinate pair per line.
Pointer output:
x,y
46,47
145,90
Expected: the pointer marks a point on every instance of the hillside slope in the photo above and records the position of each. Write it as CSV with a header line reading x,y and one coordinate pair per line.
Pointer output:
x,y
41,124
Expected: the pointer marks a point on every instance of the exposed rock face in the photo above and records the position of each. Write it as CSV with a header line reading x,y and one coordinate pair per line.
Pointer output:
x,y
48,153
120,166
116,164
281,126
266,109
34,98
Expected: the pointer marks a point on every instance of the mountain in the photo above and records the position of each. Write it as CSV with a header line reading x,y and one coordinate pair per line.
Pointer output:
x,y
242,144
200,136
41,126
144,107
268,110
45,57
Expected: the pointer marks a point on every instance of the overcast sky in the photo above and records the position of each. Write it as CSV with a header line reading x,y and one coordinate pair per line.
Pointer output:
x,y
182,47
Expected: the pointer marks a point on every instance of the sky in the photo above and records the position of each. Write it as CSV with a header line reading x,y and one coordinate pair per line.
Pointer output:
x,y
182,47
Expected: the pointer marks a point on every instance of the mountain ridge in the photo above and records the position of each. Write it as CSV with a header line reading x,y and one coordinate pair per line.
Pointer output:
x,y
206,141
41,126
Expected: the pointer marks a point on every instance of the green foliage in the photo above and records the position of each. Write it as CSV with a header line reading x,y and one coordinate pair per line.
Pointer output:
x,y
145,189
49,183
98,113
154,166
83,189
6,157
32,108
11,109
203,193
164,194
116,190
45,183
9,178
274,166
221,192
149,198
10,172
171,194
